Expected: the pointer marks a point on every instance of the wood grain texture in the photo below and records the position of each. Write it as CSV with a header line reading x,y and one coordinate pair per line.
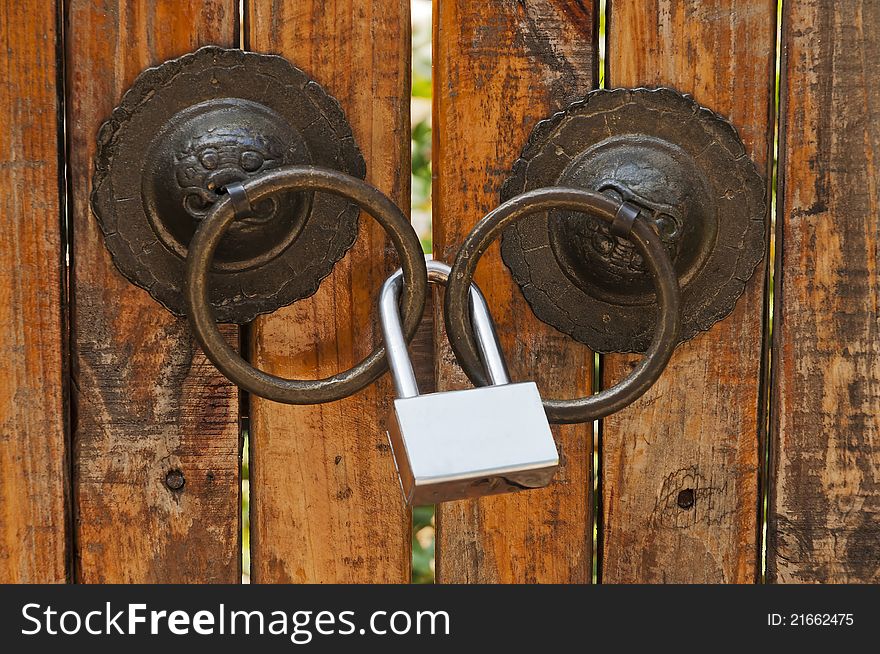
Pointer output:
x,y
422,348
825,480
326,504
146,401
500,67
680,467
33,458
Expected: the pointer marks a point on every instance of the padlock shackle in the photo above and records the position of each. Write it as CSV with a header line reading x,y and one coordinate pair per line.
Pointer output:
x,y
482,324
405,384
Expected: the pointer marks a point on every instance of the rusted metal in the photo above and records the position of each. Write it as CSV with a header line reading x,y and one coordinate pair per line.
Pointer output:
x,y
256,190
688,170
644,240
186,130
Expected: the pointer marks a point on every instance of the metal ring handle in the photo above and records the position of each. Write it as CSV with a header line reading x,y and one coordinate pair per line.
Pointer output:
x,y
642,236
208,236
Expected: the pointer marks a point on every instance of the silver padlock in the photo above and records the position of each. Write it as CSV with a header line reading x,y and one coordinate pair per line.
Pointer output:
x,y
458,444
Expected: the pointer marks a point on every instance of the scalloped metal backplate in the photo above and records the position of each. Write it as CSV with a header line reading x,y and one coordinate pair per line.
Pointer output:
x,y
685,166
190,126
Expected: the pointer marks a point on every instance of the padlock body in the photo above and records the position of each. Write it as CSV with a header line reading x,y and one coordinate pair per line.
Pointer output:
x,y
480,441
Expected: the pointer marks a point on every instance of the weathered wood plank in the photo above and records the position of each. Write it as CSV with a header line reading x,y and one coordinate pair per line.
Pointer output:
x,y
680,467
825,481
147,404
33,469
499,68
422,349
325,500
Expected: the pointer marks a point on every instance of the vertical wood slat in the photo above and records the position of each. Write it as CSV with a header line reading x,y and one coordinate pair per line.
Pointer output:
x,y
698,428
325,500
146,401
33,459
825,480
499,68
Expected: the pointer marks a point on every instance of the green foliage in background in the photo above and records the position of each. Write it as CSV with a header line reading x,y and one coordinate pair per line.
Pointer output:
x,y
423,545
421,179
421,121
423,516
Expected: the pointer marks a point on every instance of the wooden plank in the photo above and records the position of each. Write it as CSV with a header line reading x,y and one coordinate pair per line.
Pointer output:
x,y
499,68
325,500
148,406
825,492
680,467
33,534
422,350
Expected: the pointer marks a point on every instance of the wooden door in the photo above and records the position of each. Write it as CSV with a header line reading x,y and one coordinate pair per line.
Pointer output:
x,y
754,458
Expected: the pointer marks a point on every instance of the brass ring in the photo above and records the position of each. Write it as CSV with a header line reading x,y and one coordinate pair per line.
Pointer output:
x,y
208,236
642,235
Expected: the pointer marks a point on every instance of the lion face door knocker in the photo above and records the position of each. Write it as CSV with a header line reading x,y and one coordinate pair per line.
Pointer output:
x,y
185,131
687,170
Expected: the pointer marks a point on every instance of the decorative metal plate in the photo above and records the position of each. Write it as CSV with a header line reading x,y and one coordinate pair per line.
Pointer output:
x,y
685,166
192,125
